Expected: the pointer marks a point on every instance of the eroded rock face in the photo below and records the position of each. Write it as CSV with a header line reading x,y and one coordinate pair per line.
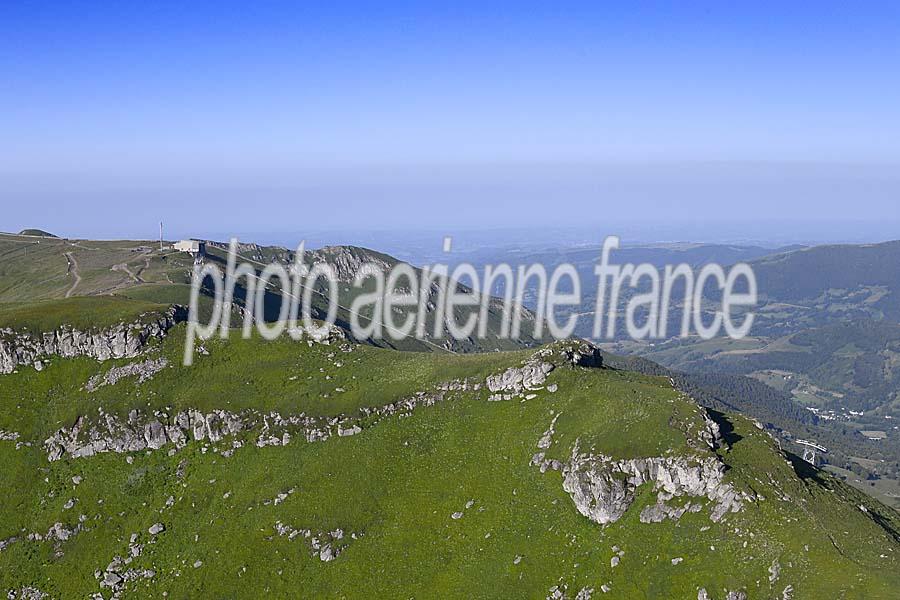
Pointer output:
x,y
603,489
121,341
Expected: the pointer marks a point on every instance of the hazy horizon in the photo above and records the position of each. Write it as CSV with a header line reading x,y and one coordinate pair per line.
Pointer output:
x,y
291,119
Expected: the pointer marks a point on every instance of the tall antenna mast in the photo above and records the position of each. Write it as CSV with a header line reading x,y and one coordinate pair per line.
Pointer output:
x,y
160,237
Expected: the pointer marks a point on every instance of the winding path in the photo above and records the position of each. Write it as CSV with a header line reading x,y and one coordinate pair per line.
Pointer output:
x,y
123,267
73,269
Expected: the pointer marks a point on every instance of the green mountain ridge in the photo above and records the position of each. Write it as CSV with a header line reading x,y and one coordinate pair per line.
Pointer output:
x,y
365,472
350,470
59,269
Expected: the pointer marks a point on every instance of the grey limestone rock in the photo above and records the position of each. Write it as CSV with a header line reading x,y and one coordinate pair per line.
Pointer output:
x,y
603,489
120,341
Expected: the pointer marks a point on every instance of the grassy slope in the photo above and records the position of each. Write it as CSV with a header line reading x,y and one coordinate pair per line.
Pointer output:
x,y
398,482
37,268
83,313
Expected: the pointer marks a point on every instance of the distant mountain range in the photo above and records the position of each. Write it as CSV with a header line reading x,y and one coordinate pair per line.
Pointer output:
x,y
37,268
829,313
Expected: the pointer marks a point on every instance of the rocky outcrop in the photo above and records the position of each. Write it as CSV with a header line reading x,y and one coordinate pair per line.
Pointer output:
x,y
134,434
515,380
581,353
140,432
347,261
110,433
710,434
121,341
142,370
4,544
603,489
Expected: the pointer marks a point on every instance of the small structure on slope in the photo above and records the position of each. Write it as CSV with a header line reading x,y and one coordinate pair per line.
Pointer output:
x,y
810,450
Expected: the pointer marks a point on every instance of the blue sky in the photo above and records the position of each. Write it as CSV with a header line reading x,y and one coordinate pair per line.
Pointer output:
x,y
515,114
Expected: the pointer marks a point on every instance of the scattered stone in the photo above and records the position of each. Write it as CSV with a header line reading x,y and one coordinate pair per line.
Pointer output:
x,y
111,579
26,593
349,431
59,532
774,571
327,545
8,436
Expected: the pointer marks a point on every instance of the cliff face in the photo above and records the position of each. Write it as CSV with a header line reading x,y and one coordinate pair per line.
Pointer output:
x,y
121,341
603,489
